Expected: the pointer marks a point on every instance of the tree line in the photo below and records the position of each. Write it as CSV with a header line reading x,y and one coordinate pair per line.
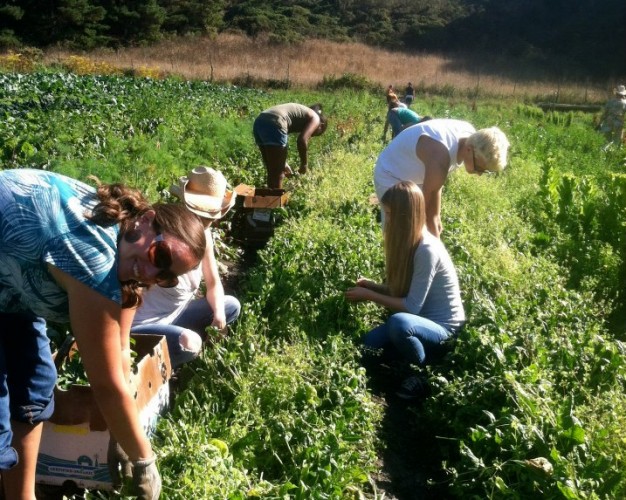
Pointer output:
x,y
586,34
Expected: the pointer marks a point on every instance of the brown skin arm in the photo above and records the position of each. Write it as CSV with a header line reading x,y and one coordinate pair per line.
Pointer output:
x,y
303,139
126,321
97,324
436,159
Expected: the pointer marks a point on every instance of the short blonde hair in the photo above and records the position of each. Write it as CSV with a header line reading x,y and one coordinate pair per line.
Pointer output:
x,y
491,145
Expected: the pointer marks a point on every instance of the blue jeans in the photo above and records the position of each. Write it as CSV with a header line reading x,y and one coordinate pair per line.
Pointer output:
x,y
27,376
394,121
267,133
415,338
192,321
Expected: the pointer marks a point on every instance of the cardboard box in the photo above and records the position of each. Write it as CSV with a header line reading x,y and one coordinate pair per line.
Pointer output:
x,y
74,442
262,197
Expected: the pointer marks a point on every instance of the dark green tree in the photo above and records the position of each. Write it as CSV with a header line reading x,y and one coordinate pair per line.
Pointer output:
x,y
79,23
193,16
133,21
10,16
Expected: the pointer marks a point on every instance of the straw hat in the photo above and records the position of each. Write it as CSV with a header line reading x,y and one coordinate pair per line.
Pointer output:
x,y
204,192
620,90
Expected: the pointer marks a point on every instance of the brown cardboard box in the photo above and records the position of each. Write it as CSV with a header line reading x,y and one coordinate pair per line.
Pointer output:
x,y
74,442
262,197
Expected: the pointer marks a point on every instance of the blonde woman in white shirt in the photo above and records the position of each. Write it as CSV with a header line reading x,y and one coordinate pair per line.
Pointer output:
x,y
427,152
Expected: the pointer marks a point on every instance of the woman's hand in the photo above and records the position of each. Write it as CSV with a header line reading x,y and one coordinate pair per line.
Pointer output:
x,y
287,170
358,294
365,282
219,320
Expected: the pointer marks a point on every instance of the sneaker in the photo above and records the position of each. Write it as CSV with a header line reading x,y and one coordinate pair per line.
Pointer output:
x,y
413,387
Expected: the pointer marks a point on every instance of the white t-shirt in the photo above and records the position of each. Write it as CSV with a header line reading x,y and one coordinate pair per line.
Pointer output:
x,y
163,305
399,161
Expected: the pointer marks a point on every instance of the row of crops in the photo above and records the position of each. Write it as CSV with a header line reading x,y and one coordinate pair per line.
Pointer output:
x,y
531,402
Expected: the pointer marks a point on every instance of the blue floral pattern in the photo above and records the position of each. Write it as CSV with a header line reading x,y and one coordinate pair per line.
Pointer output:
x,y
42,221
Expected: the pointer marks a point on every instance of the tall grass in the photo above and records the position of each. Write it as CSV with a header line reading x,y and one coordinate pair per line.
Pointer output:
x,y
231,57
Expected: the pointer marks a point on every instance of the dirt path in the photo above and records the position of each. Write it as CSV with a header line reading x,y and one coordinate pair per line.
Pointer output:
x,y
400,476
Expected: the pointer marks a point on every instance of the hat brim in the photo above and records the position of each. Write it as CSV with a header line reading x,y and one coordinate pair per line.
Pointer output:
x,y
201,204
210,211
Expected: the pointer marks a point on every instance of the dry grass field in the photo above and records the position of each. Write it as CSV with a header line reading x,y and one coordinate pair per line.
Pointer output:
x,y
229,57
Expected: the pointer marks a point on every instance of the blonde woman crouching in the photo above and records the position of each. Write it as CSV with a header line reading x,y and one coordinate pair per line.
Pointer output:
x,y
421,288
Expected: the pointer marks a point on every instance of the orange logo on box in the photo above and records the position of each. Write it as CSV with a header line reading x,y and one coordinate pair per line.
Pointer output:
x,y
71,429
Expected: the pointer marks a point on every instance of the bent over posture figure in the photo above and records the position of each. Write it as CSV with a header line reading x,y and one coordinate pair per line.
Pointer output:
x,y
271,129
70,252
427,152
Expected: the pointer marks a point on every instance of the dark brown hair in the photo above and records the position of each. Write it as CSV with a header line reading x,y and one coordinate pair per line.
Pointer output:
x,y
177,220
120,204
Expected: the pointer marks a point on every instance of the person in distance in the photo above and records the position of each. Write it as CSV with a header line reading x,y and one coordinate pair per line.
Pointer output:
x,y
402,117
612,120
427,152
409,94
180,313
421,287
271,130
69,252
392,102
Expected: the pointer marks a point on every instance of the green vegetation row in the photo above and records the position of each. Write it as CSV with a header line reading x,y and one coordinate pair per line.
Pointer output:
x,y
532,402
552,38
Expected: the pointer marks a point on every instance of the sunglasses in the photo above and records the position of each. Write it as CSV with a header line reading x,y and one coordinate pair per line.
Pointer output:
x,y
160,256
476,168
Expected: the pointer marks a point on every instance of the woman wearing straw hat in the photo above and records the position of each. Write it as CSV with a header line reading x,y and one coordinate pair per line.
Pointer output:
x,y
179,313
612,121
271,129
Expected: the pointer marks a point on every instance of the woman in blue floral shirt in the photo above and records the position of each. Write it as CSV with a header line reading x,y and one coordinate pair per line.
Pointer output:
x,y
72,252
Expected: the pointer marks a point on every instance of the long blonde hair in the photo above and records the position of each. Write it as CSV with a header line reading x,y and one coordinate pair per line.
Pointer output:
x,y
402,234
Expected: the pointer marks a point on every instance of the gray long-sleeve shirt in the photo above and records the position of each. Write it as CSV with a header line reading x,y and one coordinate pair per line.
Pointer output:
x,y
434,292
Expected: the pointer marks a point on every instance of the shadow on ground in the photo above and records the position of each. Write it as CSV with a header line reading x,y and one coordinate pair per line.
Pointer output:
x,y
404,447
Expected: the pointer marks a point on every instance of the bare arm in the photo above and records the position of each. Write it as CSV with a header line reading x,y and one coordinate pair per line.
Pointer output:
x,y
436,159
97,324
126,321
303,140
214,287
386,127
361,294
372,285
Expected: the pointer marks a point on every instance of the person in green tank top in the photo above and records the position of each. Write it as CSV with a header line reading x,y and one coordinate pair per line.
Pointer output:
x,y
271,130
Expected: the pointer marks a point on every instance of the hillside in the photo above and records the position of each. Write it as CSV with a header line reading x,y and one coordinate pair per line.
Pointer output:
x,y
246,61
583,38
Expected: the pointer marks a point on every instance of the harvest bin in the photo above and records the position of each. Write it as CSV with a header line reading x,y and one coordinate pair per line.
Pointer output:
x,y
73,450
254,216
